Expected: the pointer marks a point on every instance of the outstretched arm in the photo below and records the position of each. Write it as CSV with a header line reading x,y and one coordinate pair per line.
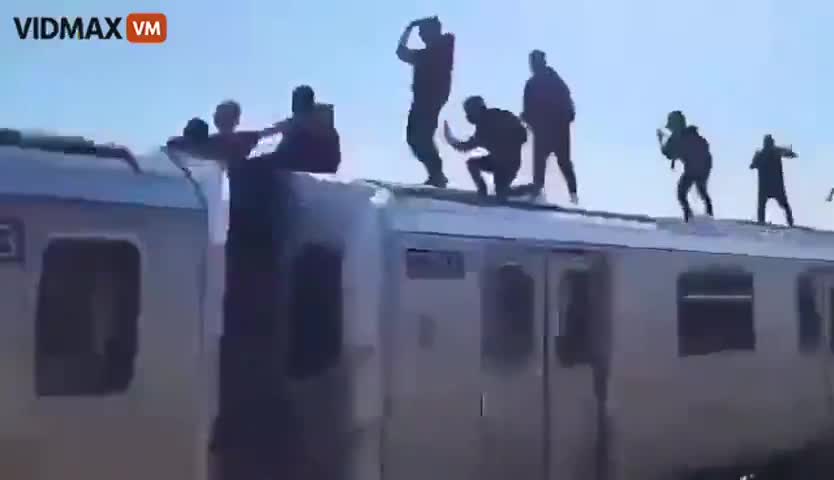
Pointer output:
x,y
830,195
459,145
787,152
404,53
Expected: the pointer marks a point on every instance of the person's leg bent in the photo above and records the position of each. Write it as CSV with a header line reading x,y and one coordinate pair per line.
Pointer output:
x,y
476,165
684,184
701,185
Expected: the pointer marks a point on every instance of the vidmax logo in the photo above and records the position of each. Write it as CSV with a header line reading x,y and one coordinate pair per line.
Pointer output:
x,y
138,28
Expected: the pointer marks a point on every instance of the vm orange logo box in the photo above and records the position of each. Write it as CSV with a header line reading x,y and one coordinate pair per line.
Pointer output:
x,y
147,28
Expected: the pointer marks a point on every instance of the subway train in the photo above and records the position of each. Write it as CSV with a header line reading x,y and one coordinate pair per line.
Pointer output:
x,y
429,333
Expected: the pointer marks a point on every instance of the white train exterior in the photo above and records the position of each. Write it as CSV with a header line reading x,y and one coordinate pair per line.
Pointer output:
x,y
474,341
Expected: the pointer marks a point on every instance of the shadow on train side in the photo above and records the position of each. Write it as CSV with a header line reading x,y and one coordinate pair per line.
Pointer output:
x,y
259,429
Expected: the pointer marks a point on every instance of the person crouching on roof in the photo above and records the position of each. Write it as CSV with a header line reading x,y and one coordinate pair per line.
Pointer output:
x,y
499,132
687,145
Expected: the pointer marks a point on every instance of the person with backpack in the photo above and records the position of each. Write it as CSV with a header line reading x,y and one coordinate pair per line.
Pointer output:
x,y
768,162
499,132
549,112
688,146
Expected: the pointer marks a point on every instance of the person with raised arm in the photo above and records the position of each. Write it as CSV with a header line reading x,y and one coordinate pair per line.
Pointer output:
x,y
768,162
499,132
688,146
431,85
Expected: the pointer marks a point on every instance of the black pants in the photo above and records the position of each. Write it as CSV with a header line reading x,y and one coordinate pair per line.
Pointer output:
x,y
780,197
554,140
422,125
685,183
502,164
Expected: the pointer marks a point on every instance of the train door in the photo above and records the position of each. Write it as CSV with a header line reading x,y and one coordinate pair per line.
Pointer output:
x,y
513,413
824,283
19,458
432,428
572,397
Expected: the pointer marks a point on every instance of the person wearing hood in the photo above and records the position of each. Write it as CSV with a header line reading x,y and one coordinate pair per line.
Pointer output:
x,y
688,146
768,162
549,112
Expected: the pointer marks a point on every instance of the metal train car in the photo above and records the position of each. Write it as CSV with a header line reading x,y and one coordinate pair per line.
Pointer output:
x,y
458,340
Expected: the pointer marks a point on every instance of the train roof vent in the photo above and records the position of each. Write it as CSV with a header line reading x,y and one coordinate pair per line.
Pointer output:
x,y
71,145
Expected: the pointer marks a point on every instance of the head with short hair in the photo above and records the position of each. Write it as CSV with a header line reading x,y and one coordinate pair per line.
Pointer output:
x,y
430,30
227,116
676,121
538,61
474,107
768,141
196,130
303,99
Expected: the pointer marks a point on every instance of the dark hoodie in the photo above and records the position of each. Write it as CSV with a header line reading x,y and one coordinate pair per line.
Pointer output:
x,y
690,148
547,100
312,143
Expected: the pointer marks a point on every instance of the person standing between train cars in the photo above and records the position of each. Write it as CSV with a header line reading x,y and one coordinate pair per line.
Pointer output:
x,y
768,162
431,85
502,134
549,111
688,146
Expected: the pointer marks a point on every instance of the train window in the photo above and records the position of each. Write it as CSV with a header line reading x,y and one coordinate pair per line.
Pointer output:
x,y
810,322
86,319
573,345
507,330
715,312
315,311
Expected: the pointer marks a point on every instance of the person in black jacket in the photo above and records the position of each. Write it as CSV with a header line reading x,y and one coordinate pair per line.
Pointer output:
x,y
431,86
549,112
768,162
688,146
500,133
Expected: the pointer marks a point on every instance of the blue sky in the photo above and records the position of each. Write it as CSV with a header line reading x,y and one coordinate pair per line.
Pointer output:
x,y
738,68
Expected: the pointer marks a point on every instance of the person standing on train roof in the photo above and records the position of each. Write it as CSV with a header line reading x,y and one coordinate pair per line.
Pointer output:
x,y
499,132
549,111
431,85
688,146
768,162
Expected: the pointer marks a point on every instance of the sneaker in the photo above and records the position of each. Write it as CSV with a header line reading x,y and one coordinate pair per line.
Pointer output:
x,y
574,199
438,181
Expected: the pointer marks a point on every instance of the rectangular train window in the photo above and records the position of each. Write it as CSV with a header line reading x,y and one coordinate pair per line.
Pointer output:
x,y
434,264
715,312
810,321
573,345
86,318
508,318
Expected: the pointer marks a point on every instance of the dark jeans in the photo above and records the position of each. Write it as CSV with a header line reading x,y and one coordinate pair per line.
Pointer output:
x,y
556,141
422,125
685,184
504,167
780,197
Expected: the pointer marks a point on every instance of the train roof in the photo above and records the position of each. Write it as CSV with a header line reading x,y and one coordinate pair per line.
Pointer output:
x,y
420,209
76,169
